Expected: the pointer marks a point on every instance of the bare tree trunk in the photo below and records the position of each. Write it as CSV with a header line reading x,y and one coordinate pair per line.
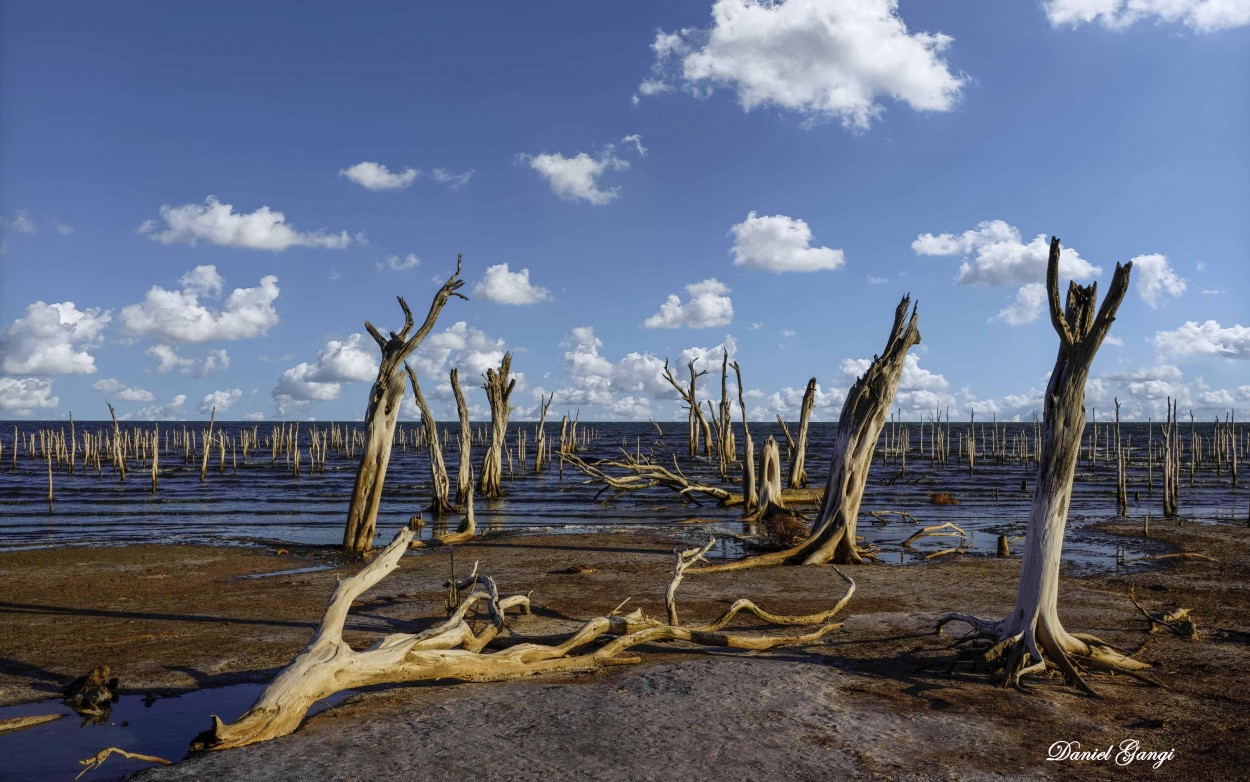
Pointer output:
x,y
498,390
770,477
863,416
1032,635
725,430
798,475
1121,488
381,414
440,504
696,421
540,437
464,472
750,499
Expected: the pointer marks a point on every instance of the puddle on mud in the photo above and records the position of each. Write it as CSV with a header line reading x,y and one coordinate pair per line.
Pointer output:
x,y
51,751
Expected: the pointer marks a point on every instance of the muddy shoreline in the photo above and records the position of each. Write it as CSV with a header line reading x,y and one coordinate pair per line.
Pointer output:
x,y
879,699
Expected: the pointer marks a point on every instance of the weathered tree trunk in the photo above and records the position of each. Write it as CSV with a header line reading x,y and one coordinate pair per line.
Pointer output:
x,y
1032,635
452,650
381,414
1121,488
863,416
750,498
464,472
725,430
770,478
440,504
498,390
798,475
540,436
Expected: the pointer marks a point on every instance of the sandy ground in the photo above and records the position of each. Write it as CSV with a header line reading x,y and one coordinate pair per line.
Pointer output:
x,y
880,699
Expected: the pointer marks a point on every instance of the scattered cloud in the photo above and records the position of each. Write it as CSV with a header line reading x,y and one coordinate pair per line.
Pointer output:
x,y
339,361
25,395
220,400
118,390
179,316
451,179
1001,257
53,339
395,263
218,223
1029,302
506,287
877,280
168,359
1201,16
820,58
577,178
20,222
778,243
1205,339
1156,279
375,176
709,306
173,410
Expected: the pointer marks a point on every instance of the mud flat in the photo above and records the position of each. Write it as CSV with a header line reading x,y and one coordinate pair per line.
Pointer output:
x,y
879,699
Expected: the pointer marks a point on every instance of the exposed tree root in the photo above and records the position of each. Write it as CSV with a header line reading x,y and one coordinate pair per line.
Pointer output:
x,y
453,650
1016,653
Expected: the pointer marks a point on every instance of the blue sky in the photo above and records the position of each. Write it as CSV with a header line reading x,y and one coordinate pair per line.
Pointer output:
x,y
202,203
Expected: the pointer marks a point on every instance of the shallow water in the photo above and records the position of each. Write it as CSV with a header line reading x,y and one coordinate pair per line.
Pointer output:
x,y
262,498
155,726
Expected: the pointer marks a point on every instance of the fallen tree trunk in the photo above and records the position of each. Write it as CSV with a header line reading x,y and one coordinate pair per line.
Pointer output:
x,y
452,650
863,416
1032,639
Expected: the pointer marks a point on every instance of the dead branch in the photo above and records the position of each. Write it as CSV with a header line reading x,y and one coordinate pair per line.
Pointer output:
x,y
98,758
1176,621
936,531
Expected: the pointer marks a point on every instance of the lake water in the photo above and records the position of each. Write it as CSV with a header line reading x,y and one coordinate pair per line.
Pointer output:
x,y
261,498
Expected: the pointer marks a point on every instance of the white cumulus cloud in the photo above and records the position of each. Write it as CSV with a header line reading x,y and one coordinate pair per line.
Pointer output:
x,y
122,392
339,361
508,287
1205,339
778,243
26,395
375,176
709,305
218,223
395,263
169,359
820,58
1001,257
1156,279
221,400
1202,16
1029,302
179,316
53,339
577,178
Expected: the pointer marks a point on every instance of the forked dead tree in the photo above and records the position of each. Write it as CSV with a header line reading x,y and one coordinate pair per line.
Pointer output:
x,y
464,472
863,416
798,475
698,424
498,389
440,504
1032,639
452,650
381,415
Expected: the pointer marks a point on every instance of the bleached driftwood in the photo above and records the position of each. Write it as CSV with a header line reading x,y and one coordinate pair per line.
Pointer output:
x,y
452,650
1031,639
636,475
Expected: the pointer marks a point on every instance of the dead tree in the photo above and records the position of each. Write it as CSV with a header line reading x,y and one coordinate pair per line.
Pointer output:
x,y
1031,639
750,498
498,389
540,434
440,504
726,446
698,424
452,650
770,478
863,416
381,415
464,472
798,475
